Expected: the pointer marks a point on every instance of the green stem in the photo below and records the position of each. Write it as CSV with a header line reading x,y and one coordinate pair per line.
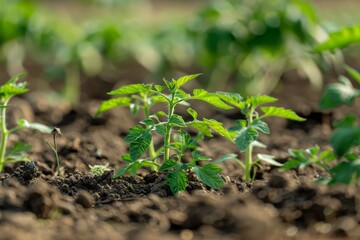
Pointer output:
x,y
152,152
168,130
249,162
4,135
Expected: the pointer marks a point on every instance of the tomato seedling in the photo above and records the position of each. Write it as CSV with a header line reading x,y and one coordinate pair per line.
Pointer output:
x,y
177,142
246,131
10,89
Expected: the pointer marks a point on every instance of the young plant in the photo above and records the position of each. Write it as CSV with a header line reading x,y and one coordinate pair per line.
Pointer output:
x,y
246,131
345,140
99,169
177,142
55,133
10,89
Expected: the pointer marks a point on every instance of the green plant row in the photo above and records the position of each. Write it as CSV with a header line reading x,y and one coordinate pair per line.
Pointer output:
x,y
179,153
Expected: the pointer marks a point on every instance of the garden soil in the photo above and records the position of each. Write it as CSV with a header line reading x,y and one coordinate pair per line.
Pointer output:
x,y
37,203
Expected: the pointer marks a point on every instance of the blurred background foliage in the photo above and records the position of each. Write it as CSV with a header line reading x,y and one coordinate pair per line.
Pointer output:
x,y
239,45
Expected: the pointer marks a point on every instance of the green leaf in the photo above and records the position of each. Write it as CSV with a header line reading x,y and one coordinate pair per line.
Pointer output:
x,y
201,127
11,88
260,126
193,113
269,159
345,172
122,171
113,103
17,153
245,137
177,181
344,138
233,99
340,39
218,127
281,112
161,129
197,156
211,98
181,81
353,73
168,164
131,89
140,140
22,123
159,88
337,94
226,157
177,120
255,101
126,157
209,175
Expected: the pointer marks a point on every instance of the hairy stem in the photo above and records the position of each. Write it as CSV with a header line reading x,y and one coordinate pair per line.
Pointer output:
x,y
248,161
4,135
168,131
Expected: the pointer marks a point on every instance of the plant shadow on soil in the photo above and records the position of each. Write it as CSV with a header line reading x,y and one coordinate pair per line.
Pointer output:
x,y
36,204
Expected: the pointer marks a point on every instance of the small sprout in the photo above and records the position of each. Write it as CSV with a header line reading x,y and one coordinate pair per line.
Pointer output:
x,y
55,133
99,169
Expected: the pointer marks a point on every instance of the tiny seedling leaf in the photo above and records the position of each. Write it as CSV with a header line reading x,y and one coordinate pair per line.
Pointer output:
x,y
113,103
281,112
131,89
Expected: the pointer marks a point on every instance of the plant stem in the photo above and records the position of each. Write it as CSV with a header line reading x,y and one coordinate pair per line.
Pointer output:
x,y
4,135
168,130
249,162
152,152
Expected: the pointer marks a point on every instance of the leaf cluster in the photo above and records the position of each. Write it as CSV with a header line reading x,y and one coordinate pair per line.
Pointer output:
x,y
345,139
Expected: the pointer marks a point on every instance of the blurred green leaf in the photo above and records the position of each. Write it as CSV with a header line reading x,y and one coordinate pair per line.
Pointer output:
x,y
340,39
113,103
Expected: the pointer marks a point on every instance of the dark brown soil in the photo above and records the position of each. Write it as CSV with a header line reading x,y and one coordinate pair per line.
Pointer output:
x,y
35,203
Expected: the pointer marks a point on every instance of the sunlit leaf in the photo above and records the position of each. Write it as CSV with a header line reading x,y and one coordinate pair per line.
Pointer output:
x,y
218,127
181,81
282,113
211,98
113,103
131,89
340,39
177,120
256,101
